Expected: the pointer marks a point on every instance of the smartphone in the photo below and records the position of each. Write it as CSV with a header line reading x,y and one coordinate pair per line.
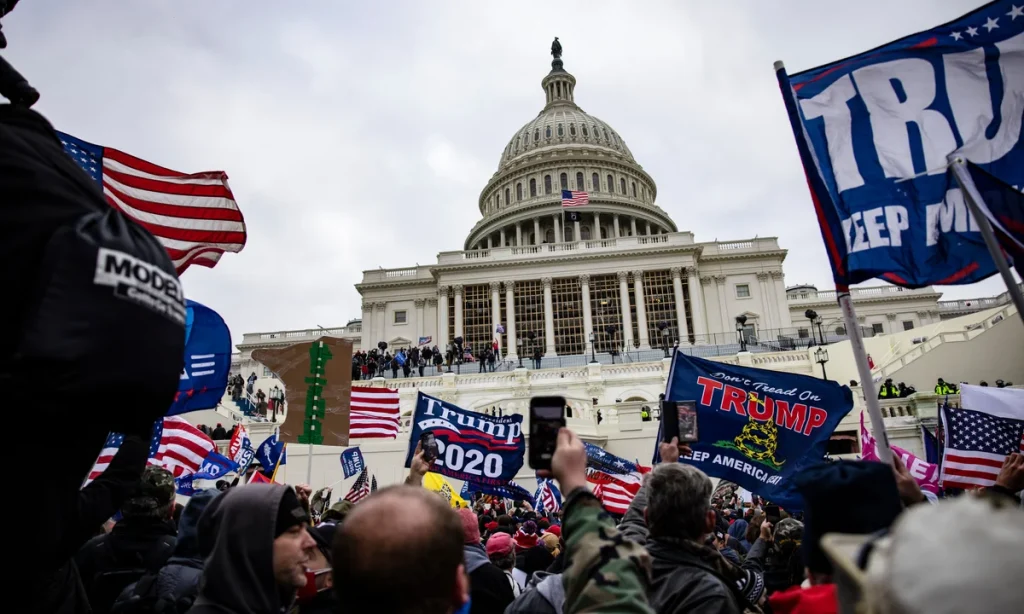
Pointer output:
x,y
772,514
429,446
547,415
679,419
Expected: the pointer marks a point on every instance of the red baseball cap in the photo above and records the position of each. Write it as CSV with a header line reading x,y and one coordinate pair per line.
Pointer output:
x,y
500,544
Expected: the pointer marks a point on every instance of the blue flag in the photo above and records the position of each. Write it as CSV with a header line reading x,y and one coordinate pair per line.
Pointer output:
x,y
270,451
509,491
183,485
216,466
1004,207
757,428
207,360
352,462
601,460
874,132
931,446
471,446
547,498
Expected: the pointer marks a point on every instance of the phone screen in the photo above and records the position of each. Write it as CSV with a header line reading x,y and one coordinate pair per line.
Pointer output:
x,y
429,446
547,416
687,417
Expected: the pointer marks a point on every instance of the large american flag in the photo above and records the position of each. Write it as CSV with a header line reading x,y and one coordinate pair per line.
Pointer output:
x,y
374,413
616,492
574,199
978,440
195,217
361,488
176,446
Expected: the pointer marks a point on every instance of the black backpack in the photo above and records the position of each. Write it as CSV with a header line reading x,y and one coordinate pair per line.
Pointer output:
x,y
106,586
144,599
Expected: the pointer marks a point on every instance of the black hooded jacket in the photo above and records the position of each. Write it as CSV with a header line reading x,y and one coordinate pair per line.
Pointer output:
x,y
237,529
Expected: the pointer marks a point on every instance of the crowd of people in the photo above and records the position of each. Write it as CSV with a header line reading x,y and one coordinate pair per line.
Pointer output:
x,y
417,361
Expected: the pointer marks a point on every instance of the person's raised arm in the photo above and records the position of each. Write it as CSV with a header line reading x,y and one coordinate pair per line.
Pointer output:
x,y
418,468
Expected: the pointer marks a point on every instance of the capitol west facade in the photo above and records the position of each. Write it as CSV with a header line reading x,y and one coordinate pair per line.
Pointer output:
x,y
621,270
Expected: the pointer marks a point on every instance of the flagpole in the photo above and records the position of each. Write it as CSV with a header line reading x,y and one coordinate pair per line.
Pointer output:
x,y
974,202
867,384
277,465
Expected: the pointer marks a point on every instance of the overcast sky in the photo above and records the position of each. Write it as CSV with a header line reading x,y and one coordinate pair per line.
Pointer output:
x,y
358,135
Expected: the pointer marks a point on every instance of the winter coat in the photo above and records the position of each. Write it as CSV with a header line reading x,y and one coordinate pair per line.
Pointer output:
x,y
545,594
490,590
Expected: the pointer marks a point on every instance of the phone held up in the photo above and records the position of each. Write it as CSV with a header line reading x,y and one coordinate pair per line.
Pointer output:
x,y
428,443
547,415
679,419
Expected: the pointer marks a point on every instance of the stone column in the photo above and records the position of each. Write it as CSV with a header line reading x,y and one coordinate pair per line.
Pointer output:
x,y
596,234
558,228
496,312
706,288
632,225
431,309
723,309
501,240
677,289
588,323
442,317
615,224
641,310
368,339
576,231
648,229
519,234
490,241
457,288
700,324
785,321
549,319
627,317
419,303
537,239
892,318
510,320
768,306
380,310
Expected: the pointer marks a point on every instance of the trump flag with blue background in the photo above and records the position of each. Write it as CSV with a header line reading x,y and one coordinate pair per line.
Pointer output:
x,y
875,132
471,446
757,428
207,360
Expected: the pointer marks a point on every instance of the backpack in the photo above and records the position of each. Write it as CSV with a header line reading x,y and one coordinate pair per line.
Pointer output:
x,y
106,586
144,599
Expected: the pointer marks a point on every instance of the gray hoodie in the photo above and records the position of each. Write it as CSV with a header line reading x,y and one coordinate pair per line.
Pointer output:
x,y
238,577
545,594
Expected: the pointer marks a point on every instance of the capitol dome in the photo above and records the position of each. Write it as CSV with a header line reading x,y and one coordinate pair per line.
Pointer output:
x,y
565,148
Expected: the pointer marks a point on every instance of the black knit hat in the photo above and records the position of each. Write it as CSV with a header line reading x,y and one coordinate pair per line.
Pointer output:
x,y
857,497
289,513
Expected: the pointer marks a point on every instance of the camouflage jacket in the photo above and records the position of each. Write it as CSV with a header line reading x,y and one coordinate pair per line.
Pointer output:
x,y
605,572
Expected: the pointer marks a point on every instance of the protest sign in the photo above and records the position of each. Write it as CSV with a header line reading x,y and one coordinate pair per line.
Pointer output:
x,y
924,473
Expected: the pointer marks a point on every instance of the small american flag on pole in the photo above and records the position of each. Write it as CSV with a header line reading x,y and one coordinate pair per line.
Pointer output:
x,y
195,217
360,488
574,199
978,440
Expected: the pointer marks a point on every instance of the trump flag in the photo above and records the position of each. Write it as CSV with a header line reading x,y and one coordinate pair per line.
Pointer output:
x,y
472,447
875,132
204,377
757,428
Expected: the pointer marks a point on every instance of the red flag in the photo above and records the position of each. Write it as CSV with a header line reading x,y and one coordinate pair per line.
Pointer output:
x,y
259,478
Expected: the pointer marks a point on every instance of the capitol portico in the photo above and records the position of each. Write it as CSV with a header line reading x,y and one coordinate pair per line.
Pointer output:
x,y
550,276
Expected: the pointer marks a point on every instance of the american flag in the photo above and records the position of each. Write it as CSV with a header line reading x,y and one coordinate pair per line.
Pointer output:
x,y
361,489
195,217
616,495
574,199
977,441
176,446
374,413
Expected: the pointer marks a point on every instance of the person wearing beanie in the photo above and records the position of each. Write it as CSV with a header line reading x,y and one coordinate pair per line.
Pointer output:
x,y
502,552
526,536
259,549
490,590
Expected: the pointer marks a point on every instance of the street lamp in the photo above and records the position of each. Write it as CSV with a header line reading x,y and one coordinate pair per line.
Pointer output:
x,y
663,327
519,344
821,357
593,352
531,336
741,321
610,330
811,315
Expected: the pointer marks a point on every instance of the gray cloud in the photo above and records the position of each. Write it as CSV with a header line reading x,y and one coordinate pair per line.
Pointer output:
x,y
359,135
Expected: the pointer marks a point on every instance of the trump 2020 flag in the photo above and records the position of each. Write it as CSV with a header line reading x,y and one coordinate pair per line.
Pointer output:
x,y
471,446
352,462
207,360
875,132
215,466
1003,205
757,428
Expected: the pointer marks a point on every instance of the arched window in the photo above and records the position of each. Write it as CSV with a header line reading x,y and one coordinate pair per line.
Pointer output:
x,y
568,230
508,199
572,129
585,133
585,233
643,192
547,132
519,192
563,180
596,181
622,184
549,235
498,198
536,135
606,135
526,138
547,184
579,182
611,184
634,191
597,134
517,143
533,188
561,130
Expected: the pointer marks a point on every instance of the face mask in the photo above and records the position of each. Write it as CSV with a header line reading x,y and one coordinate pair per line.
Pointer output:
x,y
316,582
